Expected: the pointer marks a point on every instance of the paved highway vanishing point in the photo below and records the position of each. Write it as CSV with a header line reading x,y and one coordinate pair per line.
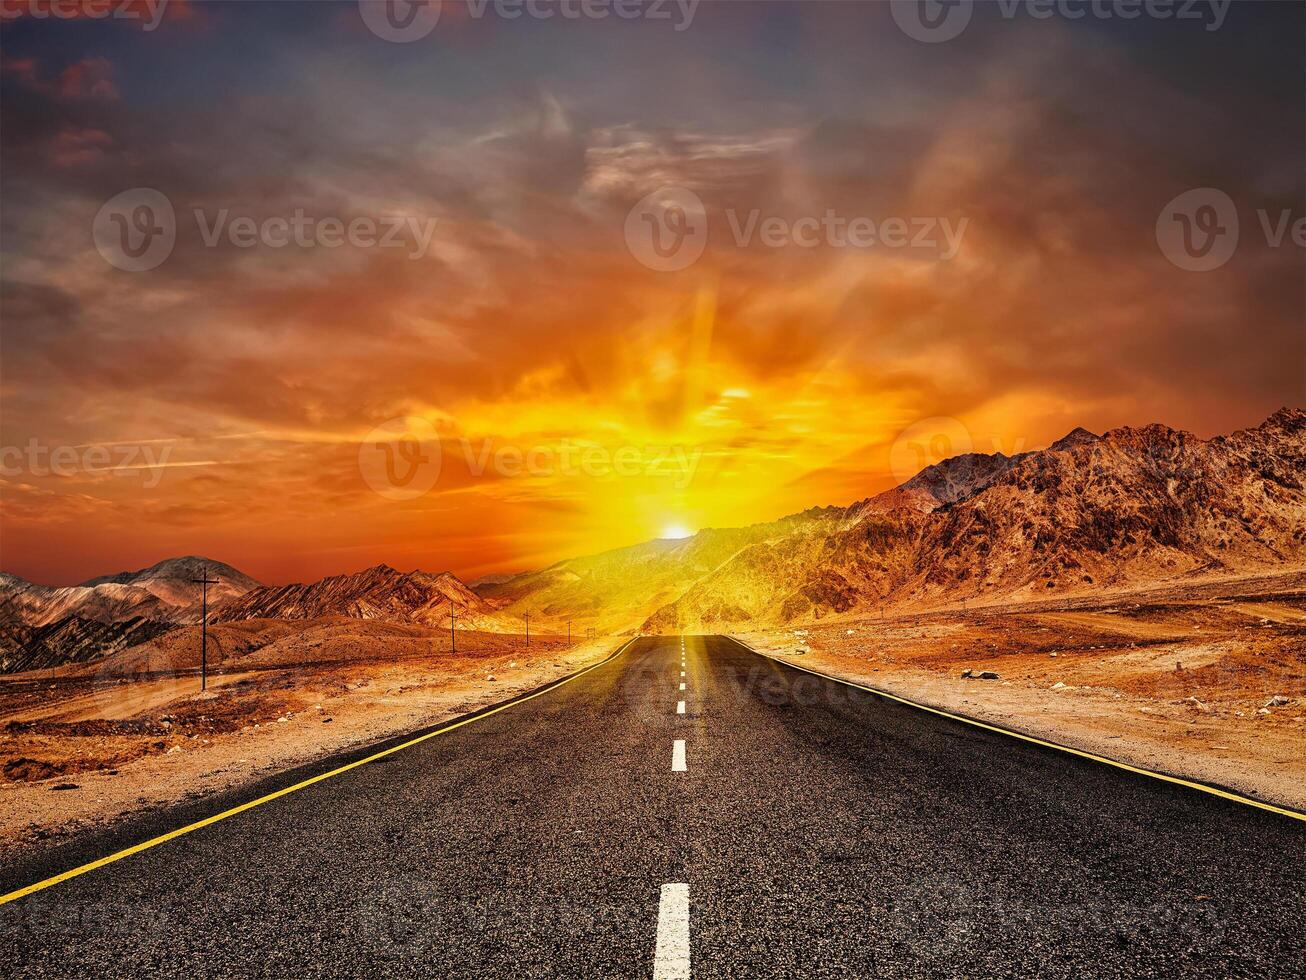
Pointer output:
x,y
688,808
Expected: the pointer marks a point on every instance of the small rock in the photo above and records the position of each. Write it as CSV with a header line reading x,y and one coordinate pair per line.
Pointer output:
x,y
326,721
66,786
1262,711
283,719
1278,701
1052,654
1058,686
987,675
175,748
800,651
490,677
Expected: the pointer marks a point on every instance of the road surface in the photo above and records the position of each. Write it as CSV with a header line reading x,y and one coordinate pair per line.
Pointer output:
x,y
782,825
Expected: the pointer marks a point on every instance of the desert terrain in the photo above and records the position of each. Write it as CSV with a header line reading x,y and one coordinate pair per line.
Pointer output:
x,y
1138,594
1202,680
1206,680
88,745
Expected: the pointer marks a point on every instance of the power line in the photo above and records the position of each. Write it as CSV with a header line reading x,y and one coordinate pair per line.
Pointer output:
x,y
204,584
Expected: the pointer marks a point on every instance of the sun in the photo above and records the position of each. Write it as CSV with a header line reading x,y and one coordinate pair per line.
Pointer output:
x,y
674,532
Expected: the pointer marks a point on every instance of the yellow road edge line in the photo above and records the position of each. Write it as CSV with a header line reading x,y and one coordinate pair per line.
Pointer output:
x,y
286,791
1091,756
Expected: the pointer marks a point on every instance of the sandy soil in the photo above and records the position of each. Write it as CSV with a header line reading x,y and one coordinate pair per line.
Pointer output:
x,y
85,747
1205,682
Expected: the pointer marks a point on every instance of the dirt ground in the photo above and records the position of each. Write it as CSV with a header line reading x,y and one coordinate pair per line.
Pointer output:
x,y
1205,681
82,748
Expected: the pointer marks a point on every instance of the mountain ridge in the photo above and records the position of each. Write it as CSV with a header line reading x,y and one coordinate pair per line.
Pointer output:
x,y
1134,504
379,592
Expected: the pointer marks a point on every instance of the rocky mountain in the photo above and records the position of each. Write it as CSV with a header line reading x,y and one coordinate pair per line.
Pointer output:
x,y
172,581
1131,506
71,640
44,626
380,593
162,592
616,590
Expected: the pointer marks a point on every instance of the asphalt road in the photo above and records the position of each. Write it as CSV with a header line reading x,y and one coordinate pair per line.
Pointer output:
x,y
815,830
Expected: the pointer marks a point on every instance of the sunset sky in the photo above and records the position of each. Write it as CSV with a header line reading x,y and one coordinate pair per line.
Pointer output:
x,y
581,400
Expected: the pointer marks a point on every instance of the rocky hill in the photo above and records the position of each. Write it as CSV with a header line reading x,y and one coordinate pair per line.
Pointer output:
x,y
1134,505
380,593
44,626
1131,506
162,592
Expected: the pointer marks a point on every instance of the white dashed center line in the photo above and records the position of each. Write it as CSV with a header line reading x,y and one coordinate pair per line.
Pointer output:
x,y
682,673
680,707
671,959
678,756
682,685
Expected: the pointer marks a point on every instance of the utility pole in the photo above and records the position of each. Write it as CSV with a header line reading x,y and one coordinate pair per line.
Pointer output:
x,y
453,618
527,617
204,584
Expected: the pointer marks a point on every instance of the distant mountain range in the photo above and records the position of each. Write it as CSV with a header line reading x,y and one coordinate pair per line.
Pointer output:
x,y
1132,506
375,593
43,626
